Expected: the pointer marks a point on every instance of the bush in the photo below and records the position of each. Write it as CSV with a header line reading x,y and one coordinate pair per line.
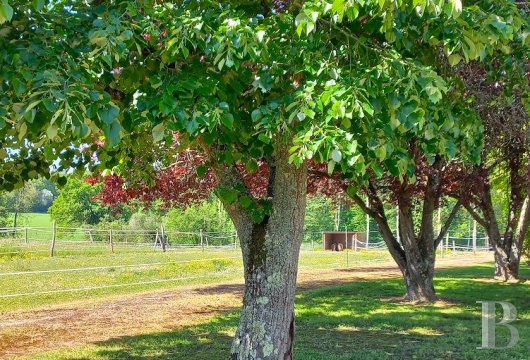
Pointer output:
x,y
209,216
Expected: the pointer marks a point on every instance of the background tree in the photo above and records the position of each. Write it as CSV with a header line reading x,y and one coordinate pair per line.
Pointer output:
x,y
208,216
76,205
46,193
4,213
505,169
21,201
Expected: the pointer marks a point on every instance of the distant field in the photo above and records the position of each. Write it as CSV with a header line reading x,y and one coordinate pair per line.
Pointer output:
x,y
94,271
33,220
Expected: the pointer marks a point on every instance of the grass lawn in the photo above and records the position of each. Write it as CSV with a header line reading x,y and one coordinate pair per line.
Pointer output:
x,y
361,320
32,220
29,269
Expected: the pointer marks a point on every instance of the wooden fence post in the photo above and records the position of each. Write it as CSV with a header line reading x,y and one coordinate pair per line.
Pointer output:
x,y
110,241
202,239
156,240
475,237
163,238
347,250
90,237
25,235
54,235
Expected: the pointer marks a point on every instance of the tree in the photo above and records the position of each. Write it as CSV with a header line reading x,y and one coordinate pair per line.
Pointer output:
x,y
21,201
4,214
238,85
76,206
506,168
206,216
46,193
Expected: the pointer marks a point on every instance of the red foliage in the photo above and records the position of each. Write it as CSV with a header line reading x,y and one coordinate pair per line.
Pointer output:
x,y
179,184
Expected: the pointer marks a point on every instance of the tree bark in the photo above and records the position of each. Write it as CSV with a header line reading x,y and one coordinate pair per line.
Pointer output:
x,y
418,271
266,327
507,247
415,254
416,264
508,250
270,252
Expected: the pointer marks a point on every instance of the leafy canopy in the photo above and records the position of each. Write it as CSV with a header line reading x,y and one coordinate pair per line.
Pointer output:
x,y
352,83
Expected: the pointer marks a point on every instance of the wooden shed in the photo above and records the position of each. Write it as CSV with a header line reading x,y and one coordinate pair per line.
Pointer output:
x,y
340,240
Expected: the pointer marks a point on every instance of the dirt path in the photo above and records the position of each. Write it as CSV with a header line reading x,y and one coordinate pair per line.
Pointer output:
x,y
80,323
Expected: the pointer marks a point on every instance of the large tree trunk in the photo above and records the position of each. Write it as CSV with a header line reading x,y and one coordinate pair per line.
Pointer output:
x,y
505,269
412,255
270,251
508,247
508,250
419,275
418,270
270,257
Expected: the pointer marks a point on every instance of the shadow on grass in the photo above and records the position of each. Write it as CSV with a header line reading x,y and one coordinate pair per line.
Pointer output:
x,y
350,322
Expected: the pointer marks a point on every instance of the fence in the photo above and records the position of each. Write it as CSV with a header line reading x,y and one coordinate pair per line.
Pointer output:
x,y
189,257
52,239
85,238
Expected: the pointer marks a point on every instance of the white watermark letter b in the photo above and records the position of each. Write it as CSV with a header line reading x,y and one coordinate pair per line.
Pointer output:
x,y
489,324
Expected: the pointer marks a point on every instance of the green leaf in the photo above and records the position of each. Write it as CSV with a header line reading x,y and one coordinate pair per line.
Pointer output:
x,y
338,7
336,155
454,59
33,104
228,121
331,167
352,190
62,180
227,195
256,115
109,114
264,138
246,202
201,170
251,166
38,5
51,132
378,170
380,152
260,34
6,12
456,7
112,134
158,132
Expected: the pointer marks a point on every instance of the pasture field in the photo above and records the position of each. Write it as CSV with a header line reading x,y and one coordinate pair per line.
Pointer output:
x,y
361,320
33,220
30,278
137,302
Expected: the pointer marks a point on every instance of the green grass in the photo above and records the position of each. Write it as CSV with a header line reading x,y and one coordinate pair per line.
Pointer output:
x,y
32,220
15,256
351,322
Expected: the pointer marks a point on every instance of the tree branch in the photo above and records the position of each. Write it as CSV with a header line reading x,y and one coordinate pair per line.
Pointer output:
x,y
448,223
475,215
